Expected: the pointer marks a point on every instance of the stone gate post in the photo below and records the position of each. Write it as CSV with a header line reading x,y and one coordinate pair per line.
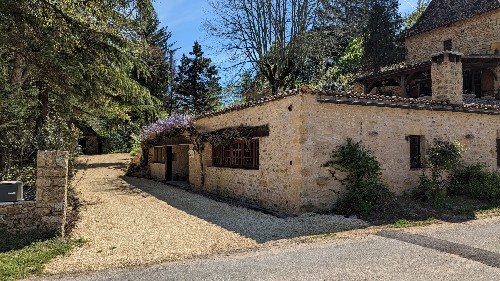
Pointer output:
x,y
52,190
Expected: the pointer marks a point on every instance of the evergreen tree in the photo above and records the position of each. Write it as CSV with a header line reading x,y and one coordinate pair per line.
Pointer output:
x,y
412,18
196,84
339,22
65,61
156,57
380,45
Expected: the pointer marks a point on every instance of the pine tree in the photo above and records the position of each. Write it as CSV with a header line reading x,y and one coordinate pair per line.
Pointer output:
x,y
381,46
196,84
340,22
156,57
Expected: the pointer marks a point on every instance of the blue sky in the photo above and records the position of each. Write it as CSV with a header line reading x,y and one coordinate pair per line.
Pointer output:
x,y
184,19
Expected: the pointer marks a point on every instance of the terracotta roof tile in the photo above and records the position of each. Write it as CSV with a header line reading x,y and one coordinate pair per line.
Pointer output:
x,y
365,99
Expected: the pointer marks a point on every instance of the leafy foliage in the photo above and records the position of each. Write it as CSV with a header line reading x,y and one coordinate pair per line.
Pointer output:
x,y
412,18
355,35
444,156
345,68
365,190
338,23
441,159
69,63
156,56
380,45
196,83
475,181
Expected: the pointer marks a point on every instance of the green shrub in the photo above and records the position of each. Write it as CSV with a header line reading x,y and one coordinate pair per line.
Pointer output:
x,y
365,191
475,181
432,190
136,147
442,157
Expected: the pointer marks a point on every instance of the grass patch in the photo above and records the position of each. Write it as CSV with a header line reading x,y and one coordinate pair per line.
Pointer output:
x,y
324,235
404,210
30,260
404,223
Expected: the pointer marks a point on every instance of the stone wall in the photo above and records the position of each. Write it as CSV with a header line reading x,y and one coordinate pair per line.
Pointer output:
x,y
290,178
447,78
157,170
47,214
302,133
276,184
384,130
473,36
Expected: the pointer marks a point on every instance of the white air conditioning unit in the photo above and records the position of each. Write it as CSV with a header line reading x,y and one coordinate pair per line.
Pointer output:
x,y
11,191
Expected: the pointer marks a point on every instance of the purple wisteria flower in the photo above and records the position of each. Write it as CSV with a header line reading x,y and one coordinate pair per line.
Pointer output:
x,y
166,127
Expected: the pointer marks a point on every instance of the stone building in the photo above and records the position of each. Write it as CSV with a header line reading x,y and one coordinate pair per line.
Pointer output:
x,y
277,164
467,29
279,143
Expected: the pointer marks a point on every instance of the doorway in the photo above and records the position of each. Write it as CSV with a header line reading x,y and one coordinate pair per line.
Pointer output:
x,y
169,163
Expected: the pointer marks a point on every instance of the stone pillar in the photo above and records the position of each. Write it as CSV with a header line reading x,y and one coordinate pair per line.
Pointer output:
x,y
447,77
51,190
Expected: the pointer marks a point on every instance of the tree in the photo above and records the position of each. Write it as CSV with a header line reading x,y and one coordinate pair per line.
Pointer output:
x,y
63,61
412,18
380,45
339,22
342,71
196,84
268,34
156,56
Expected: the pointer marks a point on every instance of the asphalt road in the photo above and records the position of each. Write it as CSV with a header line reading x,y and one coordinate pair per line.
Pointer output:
x,y
468,251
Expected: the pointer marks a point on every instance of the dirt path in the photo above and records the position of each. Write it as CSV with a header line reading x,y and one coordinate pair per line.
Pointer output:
x,y
129,221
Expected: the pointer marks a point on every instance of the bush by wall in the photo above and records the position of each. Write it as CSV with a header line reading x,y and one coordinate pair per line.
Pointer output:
x,y
365,191
441,158
475,181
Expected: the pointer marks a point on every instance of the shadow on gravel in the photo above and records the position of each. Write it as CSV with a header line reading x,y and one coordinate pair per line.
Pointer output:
x,y
231,216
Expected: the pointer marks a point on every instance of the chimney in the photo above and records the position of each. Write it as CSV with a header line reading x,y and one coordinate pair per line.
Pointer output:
x,y
447,77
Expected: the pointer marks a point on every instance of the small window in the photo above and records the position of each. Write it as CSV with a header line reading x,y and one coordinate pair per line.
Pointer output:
x,y
448,45
498,152
415,152
159,154
240,154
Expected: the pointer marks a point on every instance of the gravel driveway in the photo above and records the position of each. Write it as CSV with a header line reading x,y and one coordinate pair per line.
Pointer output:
x,y
130,221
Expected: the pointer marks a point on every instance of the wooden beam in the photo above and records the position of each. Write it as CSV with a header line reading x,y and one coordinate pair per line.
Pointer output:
x,y
251,131
178,140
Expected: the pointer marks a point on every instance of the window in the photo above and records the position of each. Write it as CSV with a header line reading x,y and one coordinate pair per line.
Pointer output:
x,y
498,152
159,154
415,152
448,45
240,154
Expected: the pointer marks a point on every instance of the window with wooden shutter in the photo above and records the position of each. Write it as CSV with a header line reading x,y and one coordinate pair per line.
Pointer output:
x,y
239,154
415,152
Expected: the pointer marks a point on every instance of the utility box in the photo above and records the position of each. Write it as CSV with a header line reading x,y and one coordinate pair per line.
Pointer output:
x,y
11,191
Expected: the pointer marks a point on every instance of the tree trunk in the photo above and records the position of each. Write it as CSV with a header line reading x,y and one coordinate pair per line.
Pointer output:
x,y
145,156
43,101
